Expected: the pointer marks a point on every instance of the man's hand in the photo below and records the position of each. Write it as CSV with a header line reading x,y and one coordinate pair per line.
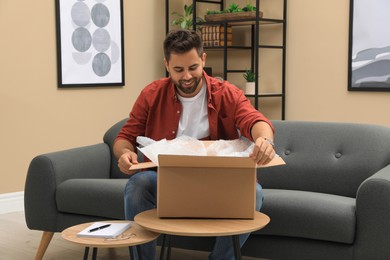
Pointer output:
x,y
263,151
124,152
126,160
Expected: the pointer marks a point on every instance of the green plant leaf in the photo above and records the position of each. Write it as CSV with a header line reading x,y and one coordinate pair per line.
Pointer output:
x,y
188,10
184,21
249,8
233,7
249,76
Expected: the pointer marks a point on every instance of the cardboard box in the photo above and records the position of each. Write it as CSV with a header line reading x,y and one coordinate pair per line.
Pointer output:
x,y
206,186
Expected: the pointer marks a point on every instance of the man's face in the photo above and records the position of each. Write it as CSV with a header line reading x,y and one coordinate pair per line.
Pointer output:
x,y
186,72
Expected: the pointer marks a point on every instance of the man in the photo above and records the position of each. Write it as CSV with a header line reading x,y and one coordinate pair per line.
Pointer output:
x,y
191,103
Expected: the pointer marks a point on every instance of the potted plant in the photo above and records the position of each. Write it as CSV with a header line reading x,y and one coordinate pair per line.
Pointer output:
x,y
185,21
249,8
250,77
233,12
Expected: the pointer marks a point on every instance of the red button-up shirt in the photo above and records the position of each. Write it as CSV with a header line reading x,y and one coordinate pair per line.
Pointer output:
x,y
156,112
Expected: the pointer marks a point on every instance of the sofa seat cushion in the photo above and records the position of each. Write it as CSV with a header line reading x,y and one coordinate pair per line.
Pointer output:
x,y
309,215
93,197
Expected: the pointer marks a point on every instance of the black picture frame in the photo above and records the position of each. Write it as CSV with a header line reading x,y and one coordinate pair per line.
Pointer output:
x,y
90,43
369,46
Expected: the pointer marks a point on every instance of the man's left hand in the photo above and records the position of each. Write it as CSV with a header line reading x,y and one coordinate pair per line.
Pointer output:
x,y
263,151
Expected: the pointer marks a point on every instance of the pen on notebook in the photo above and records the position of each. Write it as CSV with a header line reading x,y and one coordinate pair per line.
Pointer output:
x,y
98,228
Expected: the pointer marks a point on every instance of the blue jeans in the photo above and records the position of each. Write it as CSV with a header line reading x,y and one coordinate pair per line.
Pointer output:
x,y
141,195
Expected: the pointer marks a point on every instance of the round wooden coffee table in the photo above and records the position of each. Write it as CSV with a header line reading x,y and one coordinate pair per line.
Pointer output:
x,y
133,236
201,227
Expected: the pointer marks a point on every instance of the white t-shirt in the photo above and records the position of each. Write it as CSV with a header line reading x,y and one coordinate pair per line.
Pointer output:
x,y
194,119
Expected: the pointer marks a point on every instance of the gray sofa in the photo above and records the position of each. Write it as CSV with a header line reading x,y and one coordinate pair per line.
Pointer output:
x,y
330,201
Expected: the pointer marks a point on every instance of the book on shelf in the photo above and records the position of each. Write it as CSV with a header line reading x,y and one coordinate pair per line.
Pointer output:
x,y
216,43
215,29
216,36
105,229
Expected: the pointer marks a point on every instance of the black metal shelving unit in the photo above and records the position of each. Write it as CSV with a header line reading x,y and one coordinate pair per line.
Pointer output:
x,y
256,24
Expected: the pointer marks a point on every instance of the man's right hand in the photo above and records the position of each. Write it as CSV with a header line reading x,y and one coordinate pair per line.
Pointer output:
x,y
123,151
126,160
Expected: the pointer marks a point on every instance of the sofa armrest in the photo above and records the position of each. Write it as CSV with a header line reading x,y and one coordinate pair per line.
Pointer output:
x,y
47,171
373,215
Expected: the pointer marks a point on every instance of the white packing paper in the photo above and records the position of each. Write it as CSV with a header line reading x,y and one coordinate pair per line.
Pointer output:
x,y
185,145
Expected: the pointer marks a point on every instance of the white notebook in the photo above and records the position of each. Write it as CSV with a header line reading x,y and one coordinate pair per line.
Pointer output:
x,y
113,230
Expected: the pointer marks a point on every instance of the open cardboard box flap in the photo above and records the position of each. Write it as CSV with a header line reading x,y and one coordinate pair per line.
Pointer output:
x,y
206,161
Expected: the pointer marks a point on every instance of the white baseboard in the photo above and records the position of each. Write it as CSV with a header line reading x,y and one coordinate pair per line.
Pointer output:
x,y
11,202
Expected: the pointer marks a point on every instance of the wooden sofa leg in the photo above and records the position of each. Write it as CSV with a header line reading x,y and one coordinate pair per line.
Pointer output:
x,y
45,241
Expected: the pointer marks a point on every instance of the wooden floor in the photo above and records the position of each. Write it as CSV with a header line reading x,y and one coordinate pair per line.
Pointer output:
x,y
17,242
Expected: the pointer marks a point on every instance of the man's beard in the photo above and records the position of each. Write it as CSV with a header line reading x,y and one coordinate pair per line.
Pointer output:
x,y
187,89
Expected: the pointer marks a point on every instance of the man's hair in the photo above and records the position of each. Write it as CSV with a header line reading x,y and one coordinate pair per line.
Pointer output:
x,y
182,41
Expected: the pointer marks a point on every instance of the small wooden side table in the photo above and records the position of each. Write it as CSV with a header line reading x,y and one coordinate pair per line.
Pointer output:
x,y
134,236
201,227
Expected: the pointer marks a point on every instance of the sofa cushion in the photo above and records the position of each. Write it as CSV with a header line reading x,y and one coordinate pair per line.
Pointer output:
x,y
309,215
333,158
94,197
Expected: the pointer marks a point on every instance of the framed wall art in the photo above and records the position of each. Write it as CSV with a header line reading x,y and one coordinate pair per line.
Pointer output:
x,y
369,46
90,43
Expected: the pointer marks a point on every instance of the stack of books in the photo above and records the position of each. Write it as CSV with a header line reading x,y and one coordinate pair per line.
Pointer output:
x,y
214,36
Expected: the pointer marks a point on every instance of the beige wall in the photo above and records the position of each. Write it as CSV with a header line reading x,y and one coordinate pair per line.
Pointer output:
x,y
37,117
317,61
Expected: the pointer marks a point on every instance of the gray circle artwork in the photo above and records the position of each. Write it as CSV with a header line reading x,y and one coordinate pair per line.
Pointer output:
x,y
100,15
81,39
101,64
82,58
80,14
115,52
101,40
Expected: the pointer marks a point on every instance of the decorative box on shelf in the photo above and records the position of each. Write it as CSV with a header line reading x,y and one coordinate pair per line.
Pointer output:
x,y
231,16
